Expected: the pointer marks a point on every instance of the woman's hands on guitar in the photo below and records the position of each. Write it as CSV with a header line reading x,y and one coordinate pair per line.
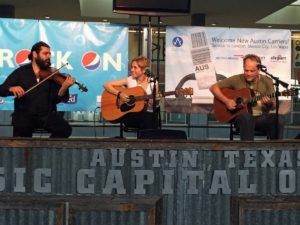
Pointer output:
x,y
124,97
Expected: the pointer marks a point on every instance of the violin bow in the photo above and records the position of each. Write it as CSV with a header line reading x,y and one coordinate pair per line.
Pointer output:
x,y
42,81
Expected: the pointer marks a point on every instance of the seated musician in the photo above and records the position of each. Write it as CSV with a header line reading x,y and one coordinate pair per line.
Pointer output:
x,y
37,108
144,119
260,119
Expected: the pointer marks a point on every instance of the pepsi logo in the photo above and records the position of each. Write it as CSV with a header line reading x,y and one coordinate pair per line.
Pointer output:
x,y
21,57
1,101
91,61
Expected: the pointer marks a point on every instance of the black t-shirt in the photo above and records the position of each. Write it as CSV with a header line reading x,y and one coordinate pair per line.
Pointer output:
x,y
40,100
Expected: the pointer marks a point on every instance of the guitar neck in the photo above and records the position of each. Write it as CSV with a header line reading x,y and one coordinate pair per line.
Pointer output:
x,y
257,98
146,97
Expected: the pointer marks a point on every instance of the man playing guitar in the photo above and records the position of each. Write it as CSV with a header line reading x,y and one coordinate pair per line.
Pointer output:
x,y
256,116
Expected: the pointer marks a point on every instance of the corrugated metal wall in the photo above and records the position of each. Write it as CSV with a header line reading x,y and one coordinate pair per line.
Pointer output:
x,y
27,216
272,217
191,181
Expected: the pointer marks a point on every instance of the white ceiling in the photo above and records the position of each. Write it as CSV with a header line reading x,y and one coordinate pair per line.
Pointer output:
x,y
224,13
288,15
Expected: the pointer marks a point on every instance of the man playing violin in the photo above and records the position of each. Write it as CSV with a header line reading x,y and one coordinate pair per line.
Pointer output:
x,y
37,108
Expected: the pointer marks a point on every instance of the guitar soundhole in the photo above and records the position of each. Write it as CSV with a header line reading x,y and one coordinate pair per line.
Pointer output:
x,y
128,105
239,101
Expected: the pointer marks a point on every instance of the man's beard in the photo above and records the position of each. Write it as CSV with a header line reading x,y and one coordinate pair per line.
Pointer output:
x,y
253,79
42,63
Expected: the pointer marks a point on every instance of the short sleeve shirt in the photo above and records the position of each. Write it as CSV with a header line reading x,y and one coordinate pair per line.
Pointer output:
x,y
263,87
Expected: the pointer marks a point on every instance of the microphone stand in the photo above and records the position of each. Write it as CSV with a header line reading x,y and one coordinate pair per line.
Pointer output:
x,y
277,83
153,79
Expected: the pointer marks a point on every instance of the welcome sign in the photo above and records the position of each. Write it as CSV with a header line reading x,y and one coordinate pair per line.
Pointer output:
x,y
200,56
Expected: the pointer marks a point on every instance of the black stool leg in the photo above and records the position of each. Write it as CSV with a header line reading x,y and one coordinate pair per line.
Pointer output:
x,y
231,132
121,130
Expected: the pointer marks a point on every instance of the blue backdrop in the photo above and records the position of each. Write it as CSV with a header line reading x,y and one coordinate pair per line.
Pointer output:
x,y
96,53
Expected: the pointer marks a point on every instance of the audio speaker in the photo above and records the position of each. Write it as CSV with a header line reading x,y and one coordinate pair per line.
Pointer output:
x,y
162,134
7,11
198,19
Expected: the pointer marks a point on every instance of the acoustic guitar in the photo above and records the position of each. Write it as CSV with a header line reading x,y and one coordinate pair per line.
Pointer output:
x,y
244,102
113,108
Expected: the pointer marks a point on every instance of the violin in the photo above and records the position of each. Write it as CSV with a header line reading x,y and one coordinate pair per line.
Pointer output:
x,y
59,78
55,75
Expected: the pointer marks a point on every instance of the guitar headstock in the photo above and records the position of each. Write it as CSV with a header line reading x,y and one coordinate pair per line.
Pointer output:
x,y
290,92
184,91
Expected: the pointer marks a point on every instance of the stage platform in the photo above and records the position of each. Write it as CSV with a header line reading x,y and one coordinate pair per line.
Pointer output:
x,y
164,144
148,181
